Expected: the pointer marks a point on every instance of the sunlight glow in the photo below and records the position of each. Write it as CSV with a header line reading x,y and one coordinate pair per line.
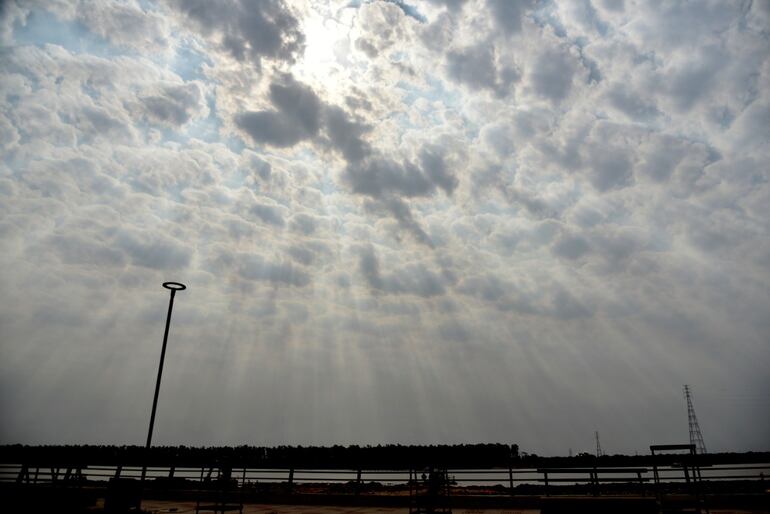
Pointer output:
x,y
326,45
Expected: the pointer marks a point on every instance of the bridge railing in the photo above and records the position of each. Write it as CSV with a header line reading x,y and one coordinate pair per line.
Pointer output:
x,y
546,480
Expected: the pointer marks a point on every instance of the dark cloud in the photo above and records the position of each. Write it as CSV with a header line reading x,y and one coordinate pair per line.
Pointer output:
x,y
301,115
299,103
297,118
552,75
613,5
566,307
79,249
175,105
473,66
247,30
551,300
271,214
508,14
388,183
304,223
536,206
261,167
636,107
379,176
476,68
570,247
486,287
153,250
664,155
301,254
270,127
610,168
366,47
454,331
498,137
452,4
256,267
346,135
102,122
369,266
401,211
691,81
408,10
411,279
436,169
617,249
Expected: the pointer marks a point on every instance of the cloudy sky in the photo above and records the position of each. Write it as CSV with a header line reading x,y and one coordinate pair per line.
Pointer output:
x,y
399,221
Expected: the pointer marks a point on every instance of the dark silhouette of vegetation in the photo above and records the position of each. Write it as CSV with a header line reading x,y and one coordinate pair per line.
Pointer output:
x,y
389,456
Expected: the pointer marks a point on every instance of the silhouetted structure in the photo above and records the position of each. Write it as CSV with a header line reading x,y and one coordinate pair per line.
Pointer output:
x,y
690,466
696,438
55,479
598,446
220,493
173,287
429,493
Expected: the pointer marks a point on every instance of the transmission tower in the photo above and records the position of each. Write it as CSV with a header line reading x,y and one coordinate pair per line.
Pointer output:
x,y
696,437
599,452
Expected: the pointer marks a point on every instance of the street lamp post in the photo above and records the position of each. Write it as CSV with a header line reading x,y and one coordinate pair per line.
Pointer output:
x,y
173,287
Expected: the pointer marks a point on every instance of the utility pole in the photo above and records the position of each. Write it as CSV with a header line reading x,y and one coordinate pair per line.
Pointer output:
x,y
599,452
173,287
696,438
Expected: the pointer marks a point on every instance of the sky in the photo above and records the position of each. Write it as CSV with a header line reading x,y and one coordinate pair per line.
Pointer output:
x,y
406,221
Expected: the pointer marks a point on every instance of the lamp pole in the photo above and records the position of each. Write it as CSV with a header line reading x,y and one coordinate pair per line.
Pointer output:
x,y
173,287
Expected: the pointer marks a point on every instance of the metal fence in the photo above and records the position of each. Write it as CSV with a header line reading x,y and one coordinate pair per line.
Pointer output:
x,y
593,480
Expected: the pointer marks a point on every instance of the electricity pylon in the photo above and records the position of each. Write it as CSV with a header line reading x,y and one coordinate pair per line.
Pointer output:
x,y
696,437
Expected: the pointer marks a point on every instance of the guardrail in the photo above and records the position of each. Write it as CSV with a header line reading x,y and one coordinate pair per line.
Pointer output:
x,y
595,480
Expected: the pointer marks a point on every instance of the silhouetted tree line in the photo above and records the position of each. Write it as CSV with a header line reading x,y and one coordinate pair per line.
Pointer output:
x,y
389,456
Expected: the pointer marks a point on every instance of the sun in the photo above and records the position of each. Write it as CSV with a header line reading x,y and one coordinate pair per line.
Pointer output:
x,y
326,52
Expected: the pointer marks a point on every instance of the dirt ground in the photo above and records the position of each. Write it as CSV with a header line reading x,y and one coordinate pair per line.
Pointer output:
x,y
167,507
164,507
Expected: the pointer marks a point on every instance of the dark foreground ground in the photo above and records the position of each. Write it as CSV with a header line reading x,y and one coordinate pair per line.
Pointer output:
x,y
567,505
41,502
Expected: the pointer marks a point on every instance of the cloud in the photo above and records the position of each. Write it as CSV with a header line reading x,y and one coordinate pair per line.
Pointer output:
x,y
390,183
380,176
247,31
304,223
451,4
175,105
254,267
571,247
411,279
437,170
297,118
153,250
508,15
272,214
301,115
477,68
692,79
520,191
346,135
552,74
